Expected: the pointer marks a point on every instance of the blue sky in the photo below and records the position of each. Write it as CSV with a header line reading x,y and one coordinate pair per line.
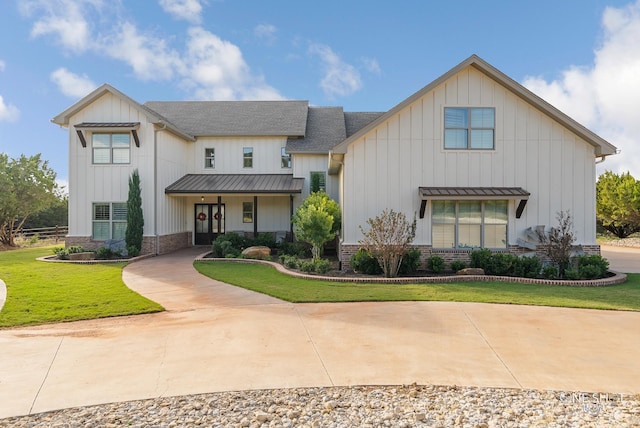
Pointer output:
x,y
581,55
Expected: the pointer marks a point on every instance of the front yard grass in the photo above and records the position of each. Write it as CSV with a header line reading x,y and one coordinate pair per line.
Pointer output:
x,y
267,280
40,292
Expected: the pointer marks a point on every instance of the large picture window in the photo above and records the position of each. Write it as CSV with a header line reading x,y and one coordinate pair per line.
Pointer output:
x,y
469,224
469,128
111,148
109,220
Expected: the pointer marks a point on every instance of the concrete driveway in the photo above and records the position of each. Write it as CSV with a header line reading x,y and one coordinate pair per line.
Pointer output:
x,y
216,337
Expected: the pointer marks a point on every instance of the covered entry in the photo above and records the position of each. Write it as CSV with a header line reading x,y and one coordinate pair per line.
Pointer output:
x,y
209,223
248,204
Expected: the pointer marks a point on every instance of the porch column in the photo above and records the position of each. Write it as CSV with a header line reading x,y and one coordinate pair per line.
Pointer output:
x,y
291,216
255,217
219,208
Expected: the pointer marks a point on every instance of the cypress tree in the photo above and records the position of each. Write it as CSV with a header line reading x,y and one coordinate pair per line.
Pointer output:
x,y
135,219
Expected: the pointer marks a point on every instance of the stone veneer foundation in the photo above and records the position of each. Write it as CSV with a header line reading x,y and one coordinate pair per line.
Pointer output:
x,y
449,255
165,243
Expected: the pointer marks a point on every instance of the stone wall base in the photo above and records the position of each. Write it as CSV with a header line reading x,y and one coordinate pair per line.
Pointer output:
x,y
166,243
449,255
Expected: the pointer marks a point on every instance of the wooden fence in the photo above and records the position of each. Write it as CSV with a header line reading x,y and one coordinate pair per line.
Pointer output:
x,y
55,232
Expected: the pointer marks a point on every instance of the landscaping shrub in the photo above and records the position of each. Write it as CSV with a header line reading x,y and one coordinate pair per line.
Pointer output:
x,y
550,272
592,267
229,244
133,251
363,262
572,274
528,267
502,264
63,253
457,265
266,240
322,266
298,249
291,262
435,264
410,262
104,253
480,258
307,266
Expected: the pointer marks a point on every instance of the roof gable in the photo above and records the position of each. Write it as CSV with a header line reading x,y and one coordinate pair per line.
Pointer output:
x,y
63,118
601,146
235,118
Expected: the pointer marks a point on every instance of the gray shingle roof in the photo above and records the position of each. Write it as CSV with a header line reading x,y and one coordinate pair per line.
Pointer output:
x,y
236,183
235,118
354,121
325,129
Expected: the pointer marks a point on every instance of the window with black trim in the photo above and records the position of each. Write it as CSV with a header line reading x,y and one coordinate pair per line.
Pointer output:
x,y
469,128
318,180
247,212
109,220
209,158
285,158
247,157
111,148
469,224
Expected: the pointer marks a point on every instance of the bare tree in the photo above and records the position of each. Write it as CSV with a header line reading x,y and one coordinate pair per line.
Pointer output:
x,y
388,239
558,242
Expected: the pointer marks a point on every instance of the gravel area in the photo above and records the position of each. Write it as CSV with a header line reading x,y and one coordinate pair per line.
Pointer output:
x,y
369,406
626,242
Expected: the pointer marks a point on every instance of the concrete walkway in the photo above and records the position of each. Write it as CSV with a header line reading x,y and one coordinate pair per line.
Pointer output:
x,y
216,337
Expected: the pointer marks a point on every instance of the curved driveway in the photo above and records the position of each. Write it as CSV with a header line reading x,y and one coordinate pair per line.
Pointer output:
x,y
216,337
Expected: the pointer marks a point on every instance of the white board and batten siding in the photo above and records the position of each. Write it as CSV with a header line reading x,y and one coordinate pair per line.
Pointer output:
x,y
385,168
173,159
91,183
229,155
304,164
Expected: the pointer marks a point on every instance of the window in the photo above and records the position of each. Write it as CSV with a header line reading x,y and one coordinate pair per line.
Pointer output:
x,y
285,158
109,220
247,212
247,157
469,224
209,158
469,128
111,148
318,181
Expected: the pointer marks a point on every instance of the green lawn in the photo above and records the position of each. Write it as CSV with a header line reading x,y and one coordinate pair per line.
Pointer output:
x,y
267,280
41,292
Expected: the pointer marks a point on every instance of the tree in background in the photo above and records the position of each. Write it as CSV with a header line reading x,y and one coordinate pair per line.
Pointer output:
x,y
317,221
28,187
135,218
388,239
618,203
56,215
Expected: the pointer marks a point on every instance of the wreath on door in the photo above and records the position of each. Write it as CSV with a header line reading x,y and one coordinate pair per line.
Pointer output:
x,y
202,216
217,216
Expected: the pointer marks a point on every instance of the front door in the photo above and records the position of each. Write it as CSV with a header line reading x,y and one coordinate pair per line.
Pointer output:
x,y
208,223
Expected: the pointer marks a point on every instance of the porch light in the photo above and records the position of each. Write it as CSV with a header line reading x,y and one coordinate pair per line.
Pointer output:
x,y
201,198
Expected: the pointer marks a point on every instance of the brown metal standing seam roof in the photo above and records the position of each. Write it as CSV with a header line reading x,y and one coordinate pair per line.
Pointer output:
x,y
473,192
236,183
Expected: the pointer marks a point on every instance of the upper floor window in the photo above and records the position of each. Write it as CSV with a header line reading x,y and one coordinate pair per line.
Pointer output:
x,y
469,224
209,158
285,158
109,220
111,148
318,181
469,128
247,157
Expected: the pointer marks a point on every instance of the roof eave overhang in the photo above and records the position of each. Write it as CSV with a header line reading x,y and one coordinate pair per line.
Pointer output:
x,y
335,163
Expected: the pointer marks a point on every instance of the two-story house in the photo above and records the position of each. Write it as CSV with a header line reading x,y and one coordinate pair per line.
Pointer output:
x,y
474,155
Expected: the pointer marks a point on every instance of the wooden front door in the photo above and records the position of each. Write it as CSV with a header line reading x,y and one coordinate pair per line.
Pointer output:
x,y
208,223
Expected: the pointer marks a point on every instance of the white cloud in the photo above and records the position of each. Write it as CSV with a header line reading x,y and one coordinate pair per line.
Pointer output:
x,y
149,56
266,33
371,65
217,70
64,19
71,84
189,10
340,78
8,112
605,96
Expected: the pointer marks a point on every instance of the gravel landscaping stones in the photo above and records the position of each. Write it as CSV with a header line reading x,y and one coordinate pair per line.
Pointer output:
x,y
367,406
